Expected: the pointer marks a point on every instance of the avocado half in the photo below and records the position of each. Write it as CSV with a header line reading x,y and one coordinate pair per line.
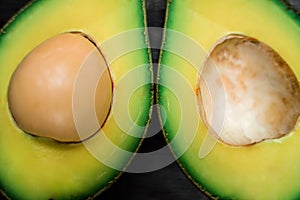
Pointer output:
x,y
266,170
38,168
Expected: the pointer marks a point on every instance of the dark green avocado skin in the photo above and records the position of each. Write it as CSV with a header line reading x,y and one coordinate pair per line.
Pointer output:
x,y
167,183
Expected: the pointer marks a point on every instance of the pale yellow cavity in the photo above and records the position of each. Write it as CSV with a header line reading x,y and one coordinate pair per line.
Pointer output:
x,y
250,90
41,89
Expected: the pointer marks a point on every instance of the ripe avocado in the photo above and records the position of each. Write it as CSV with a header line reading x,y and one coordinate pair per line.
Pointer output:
x,y
38,168
266,170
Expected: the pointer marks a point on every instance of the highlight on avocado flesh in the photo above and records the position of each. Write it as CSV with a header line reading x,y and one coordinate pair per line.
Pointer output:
x,y
41,88
261,92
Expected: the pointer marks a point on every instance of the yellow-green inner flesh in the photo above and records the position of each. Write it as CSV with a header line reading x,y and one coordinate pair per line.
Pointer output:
x,y
35,168
269,170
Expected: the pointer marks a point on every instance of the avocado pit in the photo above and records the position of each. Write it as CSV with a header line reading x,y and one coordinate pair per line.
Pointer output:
x,y
261,93
40,94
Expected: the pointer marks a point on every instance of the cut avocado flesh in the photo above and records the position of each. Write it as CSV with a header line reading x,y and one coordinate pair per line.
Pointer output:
x,y
38,168
266,170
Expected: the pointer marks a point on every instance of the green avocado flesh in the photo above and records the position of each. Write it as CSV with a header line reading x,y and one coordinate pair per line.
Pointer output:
x,y
266,170
38,168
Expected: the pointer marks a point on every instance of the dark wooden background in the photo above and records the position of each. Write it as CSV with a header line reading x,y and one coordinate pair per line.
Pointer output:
x,y
167,183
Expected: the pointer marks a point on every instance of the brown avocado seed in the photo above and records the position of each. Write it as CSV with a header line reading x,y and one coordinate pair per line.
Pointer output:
x,y
41,89
261,93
